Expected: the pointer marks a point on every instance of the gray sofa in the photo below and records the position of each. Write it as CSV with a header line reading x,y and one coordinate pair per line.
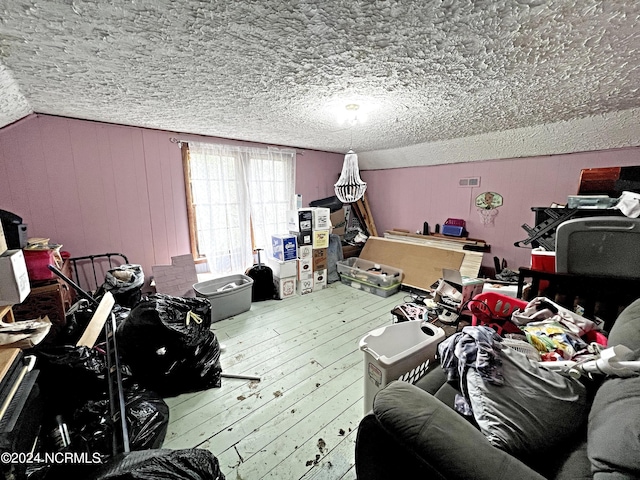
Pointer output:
x,y
413,432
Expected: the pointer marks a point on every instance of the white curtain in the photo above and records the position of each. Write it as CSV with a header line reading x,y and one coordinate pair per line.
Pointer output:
x,y
234,188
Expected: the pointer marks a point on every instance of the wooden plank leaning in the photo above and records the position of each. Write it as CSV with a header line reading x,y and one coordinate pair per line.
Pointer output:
x,y
97,322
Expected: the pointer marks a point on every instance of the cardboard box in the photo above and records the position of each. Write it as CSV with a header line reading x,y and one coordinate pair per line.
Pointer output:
x,y
454,289
305,286
300,220
320,239
14,279
285,287
305,268
319,280
321,218
319,259
304,238
339,222
305,251
3,241
284,247
283,269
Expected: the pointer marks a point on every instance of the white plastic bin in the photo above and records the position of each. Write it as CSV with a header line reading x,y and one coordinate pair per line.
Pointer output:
x,y
401,351
229,296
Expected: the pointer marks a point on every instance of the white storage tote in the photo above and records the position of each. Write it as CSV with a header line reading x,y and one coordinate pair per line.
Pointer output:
x,y
401,351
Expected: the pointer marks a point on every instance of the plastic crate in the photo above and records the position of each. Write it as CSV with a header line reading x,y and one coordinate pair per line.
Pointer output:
x,y
369,272
369,287
229,296
401,351
494,310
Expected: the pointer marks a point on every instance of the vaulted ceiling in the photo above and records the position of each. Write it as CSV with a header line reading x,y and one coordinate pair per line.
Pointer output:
x,y
435,81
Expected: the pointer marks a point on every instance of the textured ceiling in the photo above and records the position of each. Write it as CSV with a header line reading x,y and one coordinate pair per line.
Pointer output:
x,y
426,72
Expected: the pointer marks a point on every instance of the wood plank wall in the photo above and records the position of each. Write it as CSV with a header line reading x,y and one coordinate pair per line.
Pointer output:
x,y
95,187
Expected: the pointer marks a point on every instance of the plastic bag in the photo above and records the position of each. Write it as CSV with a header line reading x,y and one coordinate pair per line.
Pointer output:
x,y
169,346
24,334
70,375
187,464
78,317
147,420
125,283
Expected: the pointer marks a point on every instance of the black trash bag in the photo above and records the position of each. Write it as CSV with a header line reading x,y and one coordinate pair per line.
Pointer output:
x,y
78,317
147,417
70,375
187,464
125,284
169,346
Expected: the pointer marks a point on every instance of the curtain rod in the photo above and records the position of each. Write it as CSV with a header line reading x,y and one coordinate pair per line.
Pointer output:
x,y
179,142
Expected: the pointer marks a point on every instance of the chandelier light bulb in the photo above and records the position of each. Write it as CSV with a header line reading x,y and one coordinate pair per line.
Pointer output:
x,y
351,115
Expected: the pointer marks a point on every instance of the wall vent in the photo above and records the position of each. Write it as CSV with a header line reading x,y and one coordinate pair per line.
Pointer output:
x,y
469,182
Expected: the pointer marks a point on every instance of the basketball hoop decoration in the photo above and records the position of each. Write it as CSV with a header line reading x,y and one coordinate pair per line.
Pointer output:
x,y
487,204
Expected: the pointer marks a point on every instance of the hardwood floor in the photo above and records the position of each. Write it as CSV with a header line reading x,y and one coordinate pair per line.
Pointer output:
x,y
300,420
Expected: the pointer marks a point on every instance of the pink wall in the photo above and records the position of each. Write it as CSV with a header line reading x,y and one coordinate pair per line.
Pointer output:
x,y
95,187
316,173
407,197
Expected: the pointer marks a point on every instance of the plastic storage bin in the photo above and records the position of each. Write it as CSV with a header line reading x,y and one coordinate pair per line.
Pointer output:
x,y
454,227
37,261
401,351
369,272
229,296
369,287
494,309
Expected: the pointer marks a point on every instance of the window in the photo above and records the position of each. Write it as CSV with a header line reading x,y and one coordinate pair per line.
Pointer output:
x,y
238,198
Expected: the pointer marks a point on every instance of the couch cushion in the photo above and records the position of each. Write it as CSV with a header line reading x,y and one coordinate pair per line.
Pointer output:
x,y
442,437
614,429
570,463
614,419
626,329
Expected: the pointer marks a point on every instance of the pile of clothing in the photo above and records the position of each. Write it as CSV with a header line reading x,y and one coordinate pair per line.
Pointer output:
x,y
558,333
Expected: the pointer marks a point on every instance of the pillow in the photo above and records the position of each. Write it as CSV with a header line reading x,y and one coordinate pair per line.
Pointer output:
x,y
625,330
534,410
613,439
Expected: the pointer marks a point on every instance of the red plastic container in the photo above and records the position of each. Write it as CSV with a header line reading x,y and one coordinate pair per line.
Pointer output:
x,y
494,310
543,261
37,264
456,222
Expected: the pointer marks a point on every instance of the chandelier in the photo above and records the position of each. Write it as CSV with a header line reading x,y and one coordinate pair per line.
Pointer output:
x,y
350,187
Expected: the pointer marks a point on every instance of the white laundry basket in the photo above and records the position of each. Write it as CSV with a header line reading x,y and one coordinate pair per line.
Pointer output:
x,y
401,351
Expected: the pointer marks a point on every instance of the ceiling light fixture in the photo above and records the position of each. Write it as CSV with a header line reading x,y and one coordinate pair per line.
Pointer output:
x,y
351,114
350,187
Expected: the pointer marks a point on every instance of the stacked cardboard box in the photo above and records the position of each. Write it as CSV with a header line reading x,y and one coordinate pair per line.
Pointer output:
x,y
311,226
306,270
283,262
